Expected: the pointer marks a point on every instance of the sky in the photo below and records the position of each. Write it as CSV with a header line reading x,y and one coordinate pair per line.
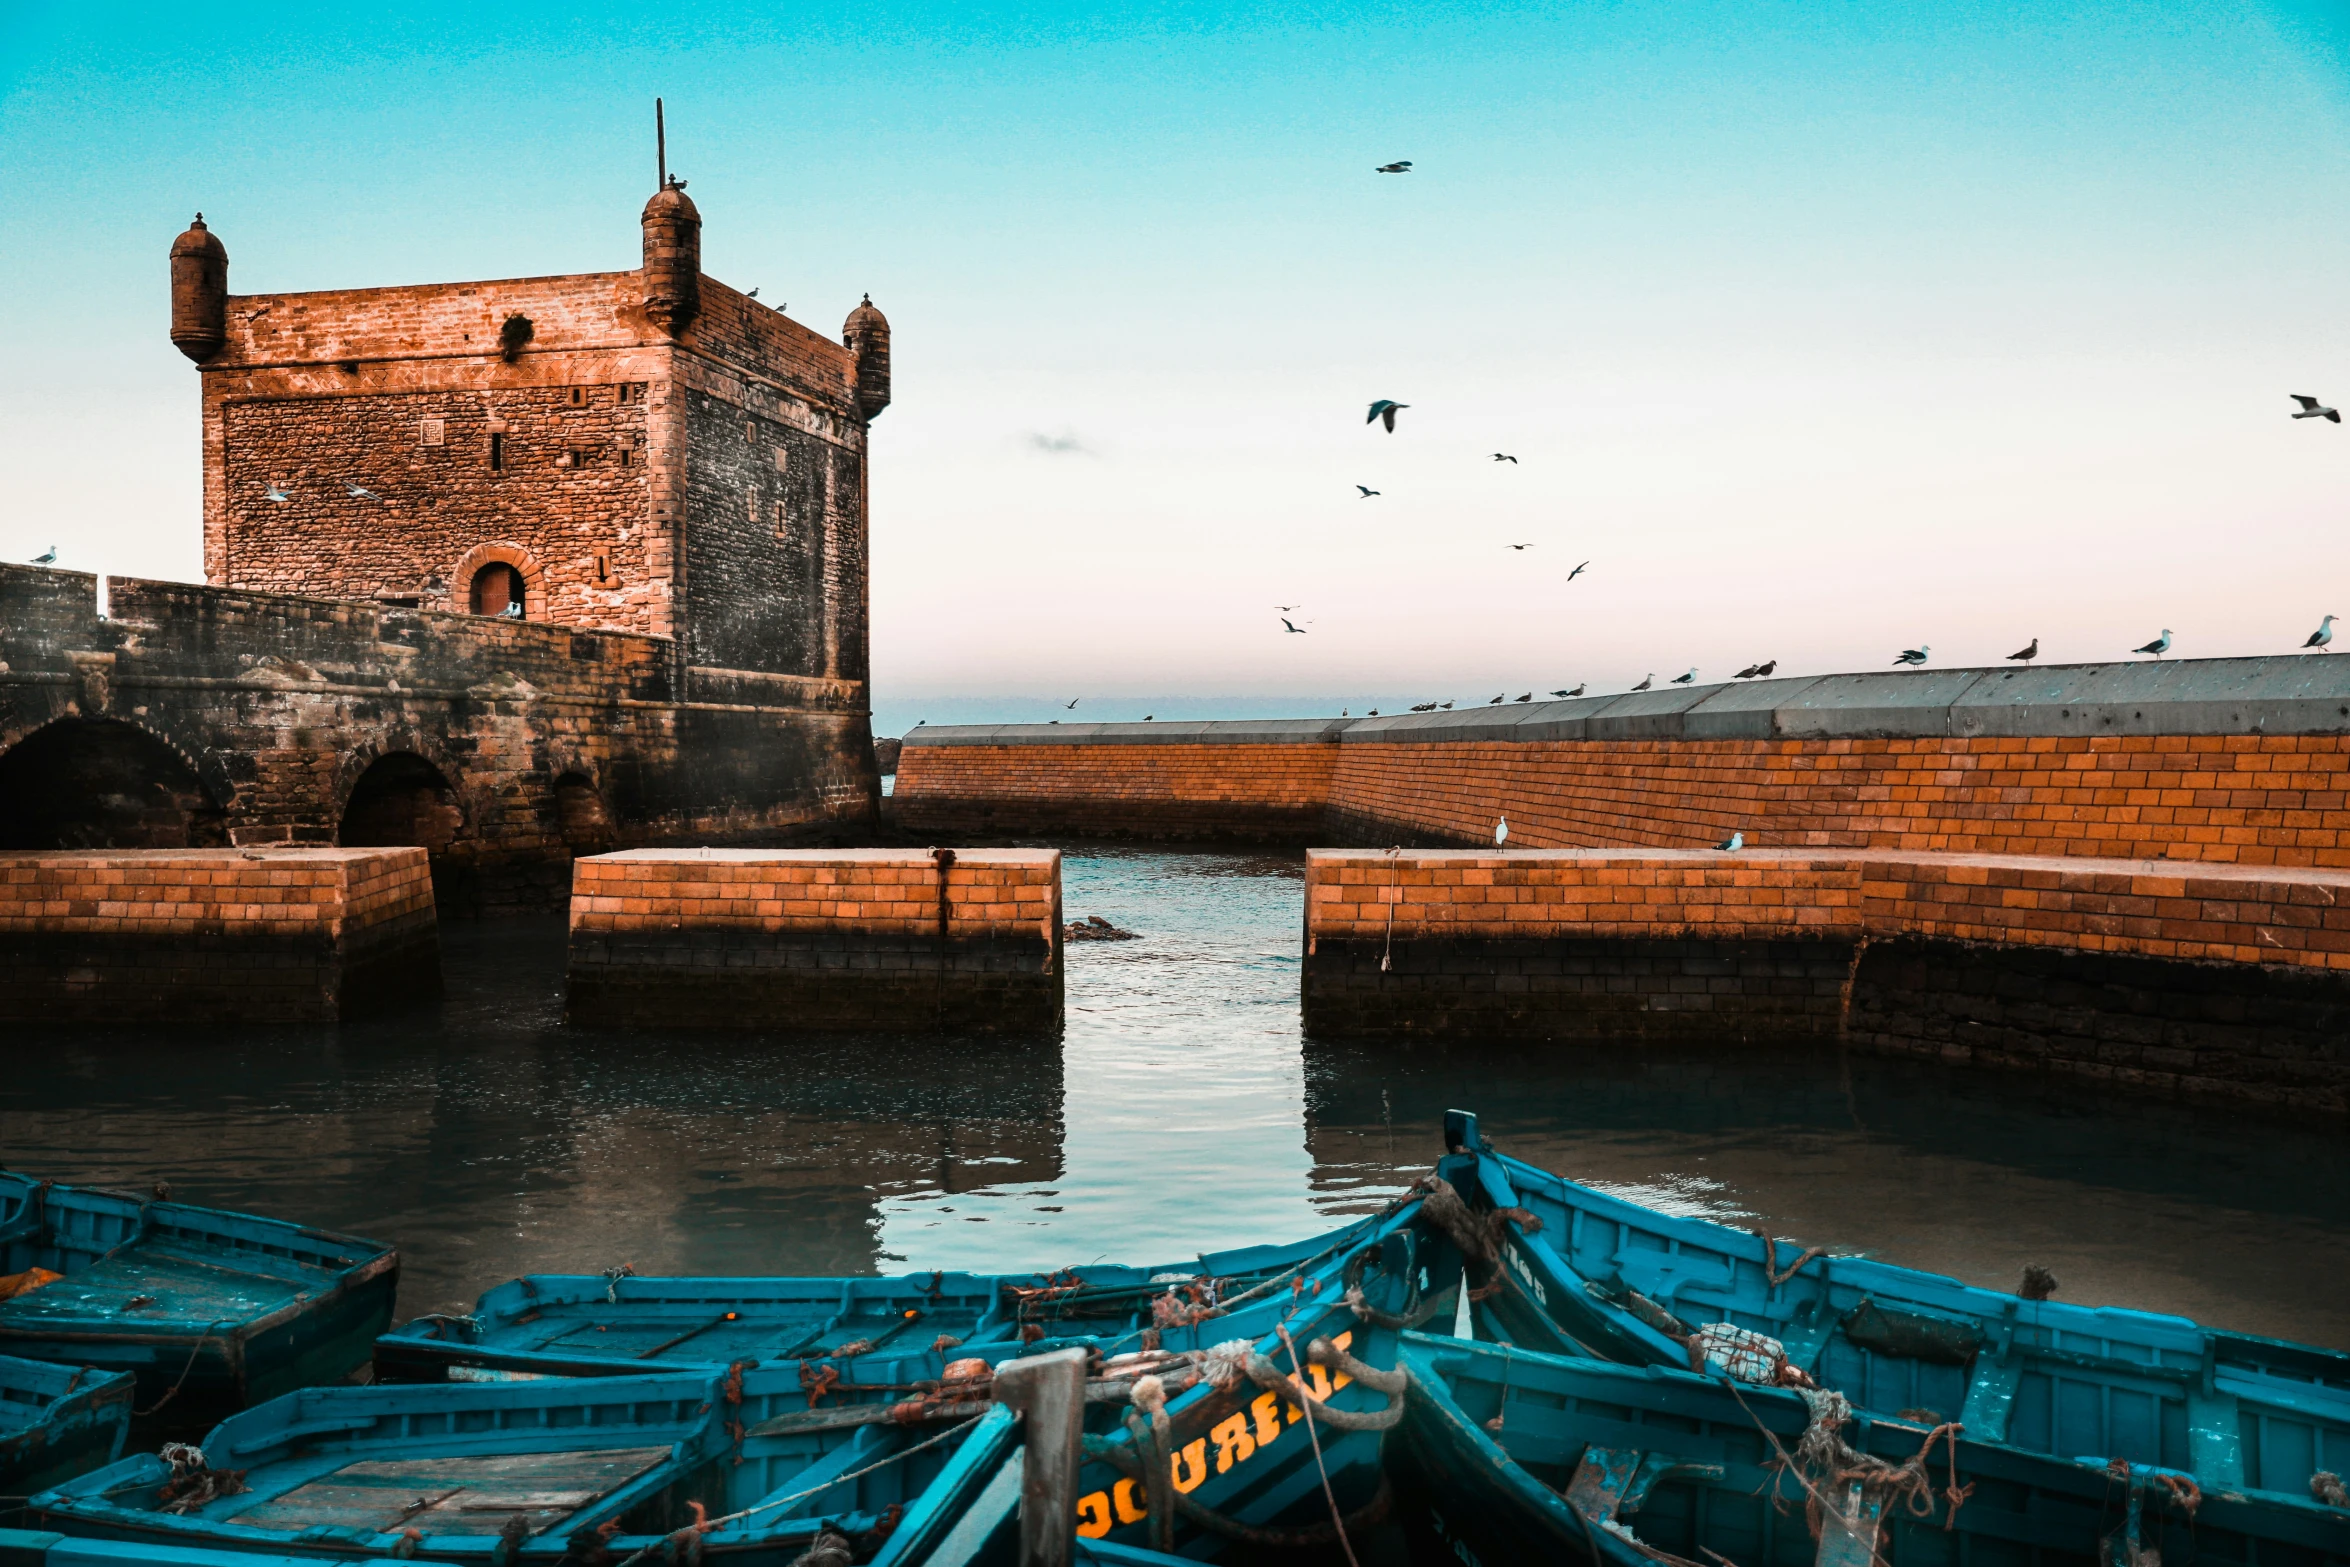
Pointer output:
x,y
1820,330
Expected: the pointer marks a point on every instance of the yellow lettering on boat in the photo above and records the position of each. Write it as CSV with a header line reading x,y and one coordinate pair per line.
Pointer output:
x,y
1093,1515
1128,1496
1233,1443
1267,1411
1191,1466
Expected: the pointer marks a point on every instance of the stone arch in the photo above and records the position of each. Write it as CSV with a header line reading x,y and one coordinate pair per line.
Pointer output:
x,y
583,820
105,783
400,798
504,552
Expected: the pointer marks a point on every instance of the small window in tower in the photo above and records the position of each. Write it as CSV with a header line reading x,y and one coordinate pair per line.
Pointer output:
x,y
497,590
431,432
625,455
782,460
750,431
497,451
579,397
782,518
631,393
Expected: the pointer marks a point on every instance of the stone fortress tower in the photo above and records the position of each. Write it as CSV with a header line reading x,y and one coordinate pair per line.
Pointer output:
x,y
646,451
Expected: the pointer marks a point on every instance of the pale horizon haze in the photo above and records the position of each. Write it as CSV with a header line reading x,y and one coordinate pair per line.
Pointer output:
x,y
1821,330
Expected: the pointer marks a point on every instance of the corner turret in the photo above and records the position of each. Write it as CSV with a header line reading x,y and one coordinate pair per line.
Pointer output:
x,y
199,292
867,336
673,258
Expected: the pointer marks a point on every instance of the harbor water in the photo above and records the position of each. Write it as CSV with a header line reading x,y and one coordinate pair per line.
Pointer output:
x,y
1180,1110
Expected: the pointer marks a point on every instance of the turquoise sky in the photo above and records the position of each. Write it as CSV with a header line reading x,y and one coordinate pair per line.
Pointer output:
x,y
1821,330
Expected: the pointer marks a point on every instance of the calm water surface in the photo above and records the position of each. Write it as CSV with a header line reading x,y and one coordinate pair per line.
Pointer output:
x,y
1180,1111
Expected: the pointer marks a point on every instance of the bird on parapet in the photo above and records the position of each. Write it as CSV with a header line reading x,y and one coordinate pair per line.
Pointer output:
x,y
2311,408
1682,680
47,559
1748,673
2159,646
1644,681
1368,492
1498,700
753,294
1400,166
1503,457
1914,655
1293,630
1447,707
2026,653
1424,707
2322,635
1527,697
1764,673
1578,691
1501,832
1733,843
1385,410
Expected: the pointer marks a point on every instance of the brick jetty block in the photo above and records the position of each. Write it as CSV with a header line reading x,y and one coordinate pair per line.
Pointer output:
x,y
214,935
2210,978
965,941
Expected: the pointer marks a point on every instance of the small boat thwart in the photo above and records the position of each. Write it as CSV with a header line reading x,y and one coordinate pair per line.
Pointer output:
x,y
1508,1455
210,1310
57,1422
1579,1272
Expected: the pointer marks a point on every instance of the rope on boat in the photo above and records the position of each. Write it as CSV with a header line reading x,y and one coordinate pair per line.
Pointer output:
x,y
193,1480
1770,1260
1321,1466
2326,1486
1823,1456
1479,1236
173,1391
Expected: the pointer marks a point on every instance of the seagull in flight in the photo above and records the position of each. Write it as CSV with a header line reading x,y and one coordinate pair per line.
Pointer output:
x,y
1289,609
2311,408
1503,457
1733,843
2026,653
1914,655
1577,572
2322,635
1518,546
1385,410
1296,630
2159,646
1368,492
1400,166
1682,680
1071,704
1644,682
49,559
1578,691
360,492
273,493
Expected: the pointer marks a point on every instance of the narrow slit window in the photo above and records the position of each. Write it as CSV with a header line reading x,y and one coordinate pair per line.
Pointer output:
x,y
780,518
579,397
497,452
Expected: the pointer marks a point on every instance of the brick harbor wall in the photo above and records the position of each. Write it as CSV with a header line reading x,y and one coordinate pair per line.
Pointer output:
x,y
2224,980
811,939
286,935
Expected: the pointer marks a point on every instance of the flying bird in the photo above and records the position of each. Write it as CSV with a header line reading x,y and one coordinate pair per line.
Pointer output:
x,y
1401,166
2159,646
1368,492
2322,635
1644,682
1914,655
1289,609
1526,697
1385,410
2311,408
1296,630
1577,572
1682,680
1072,702
1527,546
1501,832
1733,843
2026,653
273,493
1503,457
361,492
49,559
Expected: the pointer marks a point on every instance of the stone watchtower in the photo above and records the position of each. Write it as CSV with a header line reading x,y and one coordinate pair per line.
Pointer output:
x,y
644,451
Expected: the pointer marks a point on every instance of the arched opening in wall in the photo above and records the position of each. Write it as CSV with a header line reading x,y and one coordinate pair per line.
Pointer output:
x,y
497,590
580,817
103,784
401,799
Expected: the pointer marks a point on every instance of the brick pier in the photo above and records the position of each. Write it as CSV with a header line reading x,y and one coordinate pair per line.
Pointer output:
x,y
214,935
818,939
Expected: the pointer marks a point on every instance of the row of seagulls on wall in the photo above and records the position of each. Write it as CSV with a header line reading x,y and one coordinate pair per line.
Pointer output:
x,y
1756,671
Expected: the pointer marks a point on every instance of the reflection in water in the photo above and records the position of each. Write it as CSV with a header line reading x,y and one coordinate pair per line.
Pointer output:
x,y
1179,1112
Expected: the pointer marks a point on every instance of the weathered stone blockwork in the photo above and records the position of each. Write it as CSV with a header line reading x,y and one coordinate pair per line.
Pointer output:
x,y
783,940
291,935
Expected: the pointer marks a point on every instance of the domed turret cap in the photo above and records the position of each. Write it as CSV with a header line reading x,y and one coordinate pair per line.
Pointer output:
x,y
864,317
671,201
198,241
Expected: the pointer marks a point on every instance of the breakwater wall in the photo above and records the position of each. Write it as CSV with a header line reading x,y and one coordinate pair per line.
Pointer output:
x,y
2242,761
195,935
967,942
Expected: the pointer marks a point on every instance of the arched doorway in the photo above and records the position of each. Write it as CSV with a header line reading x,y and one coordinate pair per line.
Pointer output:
x,y
498,590
401,799
580,817
103,784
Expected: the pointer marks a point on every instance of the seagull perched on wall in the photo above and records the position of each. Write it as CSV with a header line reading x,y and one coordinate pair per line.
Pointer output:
x,y
1644,681
1503,457
1682,680
1385,410
1748,673
1526,697
1400,166
2311,408
1501,832
360,492
1733,843
1764,673
1424,707
1914,655
1448,707
2159,646
1498,700
2026,653
1578,691
1368,492
1295,630
273,493
2322,635
49,559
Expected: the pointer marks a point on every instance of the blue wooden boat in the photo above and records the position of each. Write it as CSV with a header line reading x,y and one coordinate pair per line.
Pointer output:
x,y
47,1548
1508,1455
57,1422
1581,1272
623,1324
209,1310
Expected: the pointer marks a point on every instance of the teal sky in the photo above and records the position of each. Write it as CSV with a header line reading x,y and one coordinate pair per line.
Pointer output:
x,y
1822,330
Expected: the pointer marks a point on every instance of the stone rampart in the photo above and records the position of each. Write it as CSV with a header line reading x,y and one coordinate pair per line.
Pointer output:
x,y
814,939
194,935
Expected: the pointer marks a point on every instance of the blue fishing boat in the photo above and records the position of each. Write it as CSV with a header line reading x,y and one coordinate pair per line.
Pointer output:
x,y
1573,1270
57,1422
1508,1455
621,1324
209,1310
47,1548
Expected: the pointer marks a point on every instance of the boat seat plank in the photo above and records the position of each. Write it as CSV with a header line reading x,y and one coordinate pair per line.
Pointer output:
x,y
470,1495
179,1288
